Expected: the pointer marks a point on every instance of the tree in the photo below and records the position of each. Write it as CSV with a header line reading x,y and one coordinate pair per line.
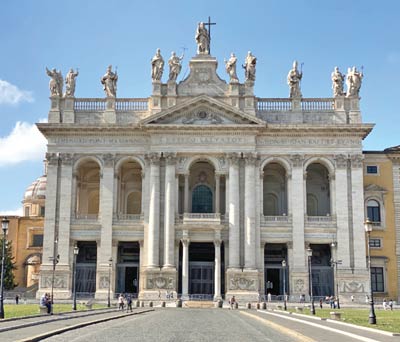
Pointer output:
x,y
9,266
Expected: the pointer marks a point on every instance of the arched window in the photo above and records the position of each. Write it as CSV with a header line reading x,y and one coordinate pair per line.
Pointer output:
x,y
271,205
373,211
312,205
202,199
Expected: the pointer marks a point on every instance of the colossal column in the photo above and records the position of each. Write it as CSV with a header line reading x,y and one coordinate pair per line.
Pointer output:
x,y
65,207
249,212
342,211
170,192
186,199
106,208
217,191
234,210
153,236
358,211
298,212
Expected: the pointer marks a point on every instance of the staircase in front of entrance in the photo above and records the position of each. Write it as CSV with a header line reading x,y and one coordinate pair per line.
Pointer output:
x,y
198,304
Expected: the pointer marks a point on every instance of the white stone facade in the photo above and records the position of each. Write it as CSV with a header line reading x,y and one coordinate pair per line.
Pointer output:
x,y
204,161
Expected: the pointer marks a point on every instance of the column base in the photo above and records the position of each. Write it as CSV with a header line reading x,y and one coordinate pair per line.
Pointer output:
x,y
243,284
158,284
62,281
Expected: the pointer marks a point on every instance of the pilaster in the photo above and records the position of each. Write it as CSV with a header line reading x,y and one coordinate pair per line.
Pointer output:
x,y
55,109
249,211
69,113
110,115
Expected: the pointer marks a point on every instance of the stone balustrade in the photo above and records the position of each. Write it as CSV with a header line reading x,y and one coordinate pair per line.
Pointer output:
x,y
121,104
274,220
128,217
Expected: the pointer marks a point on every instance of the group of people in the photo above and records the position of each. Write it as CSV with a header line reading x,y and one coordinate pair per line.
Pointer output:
x,y
45,301
387,305
122,300
331,300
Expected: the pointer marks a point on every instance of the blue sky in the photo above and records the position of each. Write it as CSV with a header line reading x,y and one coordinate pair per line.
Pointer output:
x,y
93,34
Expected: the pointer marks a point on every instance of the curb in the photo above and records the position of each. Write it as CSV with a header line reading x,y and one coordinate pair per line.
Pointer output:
x,y
54,319
79,325
378,331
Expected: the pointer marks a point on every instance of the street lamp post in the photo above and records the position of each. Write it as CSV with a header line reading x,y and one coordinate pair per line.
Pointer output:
x,y
368,230
4,227
109,282
284,284
334,265
309,254
76,252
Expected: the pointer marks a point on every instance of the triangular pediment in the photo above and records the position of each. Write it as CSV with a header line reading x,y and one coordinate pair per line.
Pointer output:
x,y
374,188
200,111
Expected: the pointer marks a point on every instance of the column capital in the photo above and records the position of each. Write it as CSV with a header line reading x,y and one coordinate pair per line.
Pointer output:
x,y
66,158
52,158
357,160
341,161
153,158
217,243
185,241
170,158
289,244
108,160
297,160
250,158
233,158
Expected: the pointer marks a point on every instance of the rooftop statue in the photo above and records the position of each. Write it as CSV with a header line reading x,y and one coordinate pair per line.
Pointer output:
x,y
250,67
230,67
56,82
175,66
337,82
70,82
293,80
157,66
109,82
202,39
353,81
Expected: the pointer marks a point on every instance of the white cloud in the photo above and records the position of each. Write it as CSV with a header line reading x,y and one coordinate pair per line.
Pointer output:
x,y
11,94
24,143
16,212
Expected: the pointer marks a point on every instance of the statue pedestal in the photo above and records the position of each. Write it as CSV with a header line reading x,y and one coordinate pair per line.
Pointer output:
x,y
156,97
109,113
243,284
54,113
233,93
354,107
171,93
340,112
249,98
69,113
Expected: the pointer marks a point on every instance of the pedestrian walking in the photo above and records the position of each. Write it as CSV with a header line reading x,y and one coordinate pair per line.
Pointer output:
x,y
121,302
391,304
269,297
332,302
232,302
128,303
385,304
16,299
320,303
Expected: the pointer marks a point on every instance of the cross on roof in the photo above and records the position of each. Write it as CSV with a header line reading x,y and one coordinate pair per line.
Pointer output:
x,y
209,23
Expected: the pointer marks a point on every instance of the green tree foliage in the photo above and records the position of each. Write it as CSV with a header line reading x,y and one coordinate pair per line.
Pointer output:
x,y
9,265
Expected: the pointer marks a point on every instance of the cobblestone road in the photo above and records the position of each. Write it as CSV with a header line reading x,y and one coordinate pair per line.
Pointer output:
x,y
177,325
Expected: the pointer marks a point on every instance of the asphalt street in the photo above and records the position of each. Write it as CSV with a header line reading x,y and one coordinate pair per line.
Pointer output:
x,y
210,325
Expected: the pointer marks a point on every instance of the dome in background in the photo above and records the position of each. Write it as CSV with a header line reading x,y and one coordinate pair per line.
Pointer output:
x,y
37,190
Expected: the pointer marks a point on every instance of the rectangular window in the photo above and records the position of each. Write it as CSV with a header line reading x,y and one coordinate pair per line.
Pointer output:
x,y
375,243
377,279
374,214
372,169
42,211
37,240
26,211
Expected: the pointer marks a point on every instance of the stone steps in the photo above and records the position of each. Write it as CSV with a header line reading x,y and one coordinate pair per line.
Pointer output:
x,y
198,304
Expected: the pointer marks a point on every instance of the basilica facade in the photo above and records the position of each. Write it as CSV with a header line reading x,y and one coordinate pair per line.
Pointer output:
x,y
204,190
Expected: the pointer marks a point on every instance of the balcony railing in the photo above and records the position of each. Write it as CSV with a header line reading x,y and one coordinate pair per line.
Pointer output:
x,y
285,104
89,105
275,220
201,218
317,105
317,219
131,105
274,105
85,217
128,217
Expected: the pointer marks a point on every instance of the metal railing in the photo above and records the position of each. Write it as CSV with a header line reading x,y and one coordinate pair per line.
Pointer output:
x,y
278,218
201,297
